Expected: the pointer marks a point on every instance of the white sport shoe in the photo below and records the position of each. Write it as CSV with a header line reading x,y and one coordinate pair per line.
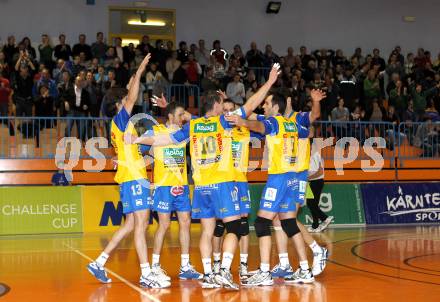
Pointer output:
x,y
259,278
319,261
300,276
225,278
243,271
314,230
208,281
326,223
152,281
160,273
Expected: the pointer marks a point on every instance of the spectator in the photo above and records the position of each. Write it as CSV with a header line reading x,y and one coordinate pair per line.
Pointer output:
x,y
182,52
431,112
145,47
358,55
357,130
46,52
5,96
4,65
220,55
77,105
254,57
394,66
152,78
378,60
238,55
44,107
130,53
160,57
82,47
24,61
209,82
421,59
269,59
399,98
180,77
348,88
235,90
310,71
339,59
172,65
65,88
391,131
249,79
290,57
340,115
376,115
410,64
253,88
169,48
62,50
23,86
99,48
10,50
121,52
110,57
58,178
371,88
122,73
83,61
94,94
202,55
194,70
304,56
58,71
48,82
76,66
93,66
28,46
420,96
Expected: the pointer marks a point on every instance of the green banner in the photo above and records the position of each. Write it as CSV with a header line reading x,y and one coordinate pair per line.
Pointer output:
x,y
342,201
40,210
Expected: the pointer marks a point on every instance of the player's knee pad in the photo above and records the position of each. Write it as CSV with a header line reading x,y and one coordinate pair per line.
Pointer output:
x,y
262,226
234,227
244,226
219,228
290,227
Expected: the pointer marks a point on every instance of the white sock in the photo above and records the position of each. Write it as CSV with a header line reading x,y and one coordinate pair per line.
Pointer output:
x,y
227,260
243,258
284,259
207,268
102,259
217,256
145,269
315,247
264,267
184,260
304,265
155,260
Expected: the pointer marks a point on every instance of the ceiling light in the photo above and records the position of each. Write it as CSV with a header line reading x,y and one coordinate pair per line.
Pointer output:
x,y
148,23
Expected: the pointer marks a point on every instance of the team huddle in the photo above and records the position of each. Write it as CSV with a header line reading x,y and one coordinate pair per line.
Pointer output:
x,y
219,151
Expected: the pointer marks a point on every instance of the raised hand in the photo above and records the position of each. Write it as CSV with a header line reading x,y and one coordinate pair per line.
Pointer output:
x,y
144,62
317,95
129,138
222,94
160,102
274,73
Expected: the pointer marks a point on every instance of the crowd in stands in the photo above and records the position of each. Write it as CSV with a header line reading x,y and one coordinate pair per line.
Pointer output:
x,y
78,81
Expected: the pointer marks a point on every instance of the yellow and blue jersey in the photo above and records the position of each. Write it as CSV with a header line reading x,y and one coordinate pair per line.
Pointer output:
x,y
131,165
282,135
210,141
169,161
303,154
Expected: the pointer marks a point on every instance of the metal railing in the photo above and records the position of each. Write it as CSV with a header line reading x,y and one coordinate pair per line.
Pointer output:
x,y
37,137
182,93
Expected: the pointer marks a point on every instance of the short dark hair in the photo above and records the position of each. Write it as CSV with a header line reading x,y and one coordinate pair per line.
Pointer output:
x,y
229,101
210,99
172,107
279,99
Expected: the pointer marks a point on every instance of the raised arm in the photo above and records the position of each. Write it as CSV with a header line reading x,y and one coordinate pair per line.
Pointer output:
x,y
259,96
157,140
317,95
133,86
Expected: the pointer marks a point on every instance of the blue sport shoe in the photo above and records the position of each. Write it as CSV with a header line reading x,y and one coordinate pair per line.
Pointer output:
x,y
189,273
99,272
280,272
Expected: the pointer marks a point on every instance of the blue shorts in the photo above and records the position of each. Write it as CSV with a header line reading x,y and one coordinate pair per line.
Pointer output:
x,y
277,195
244,196
167,199
215,201
300,186
135,196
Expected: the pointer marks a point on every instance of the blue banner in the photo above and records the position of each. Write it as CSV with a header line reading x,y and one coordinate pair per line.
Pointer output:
x,y
390,203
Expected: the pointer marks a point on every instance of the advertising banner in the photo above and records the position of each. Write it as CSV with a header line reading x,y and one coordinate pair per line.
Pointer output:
x,y
342,201
40,210
390,203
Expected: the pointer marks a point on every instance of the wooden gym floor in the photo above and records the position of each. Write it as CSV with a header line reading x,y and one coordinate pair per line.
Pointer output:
x,y
372,264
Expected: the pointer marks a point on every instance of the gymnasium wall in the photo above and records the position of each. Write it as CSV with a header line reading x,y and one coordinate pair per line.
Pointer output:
x,y
342,24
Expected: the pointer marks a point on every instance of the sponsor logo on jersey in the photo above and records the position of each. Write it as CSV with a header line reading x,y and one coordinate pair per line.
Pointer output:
x,y
290,127
173,152
177,190
205,128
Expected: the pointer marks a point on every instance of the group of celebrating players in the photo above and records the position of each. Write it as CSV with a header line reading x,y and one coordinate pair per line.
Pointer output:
x,y
219,151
